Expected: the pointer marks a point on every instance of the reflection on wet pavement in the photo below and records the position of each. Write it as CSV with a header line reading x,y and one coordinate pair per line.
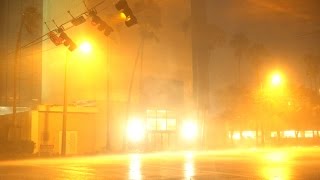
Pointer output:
x,y
286,163
134,168
276,172
189,166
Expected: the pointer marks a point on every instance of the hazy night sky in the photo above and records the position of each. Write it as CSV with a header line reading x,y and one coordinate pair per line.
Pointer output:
x,y
279,25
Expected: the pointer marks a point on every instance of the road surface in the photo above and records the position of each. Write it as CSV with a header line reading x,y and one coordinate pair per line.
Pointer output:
x,y
283,163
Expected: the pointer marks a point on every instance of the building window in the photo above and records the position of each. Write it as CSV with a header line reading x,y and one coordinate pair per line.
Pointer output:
x,y
161,120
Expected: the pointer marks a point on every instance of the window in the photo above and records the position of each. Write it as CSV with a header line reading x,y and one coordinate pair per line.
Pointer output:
x,y
161,120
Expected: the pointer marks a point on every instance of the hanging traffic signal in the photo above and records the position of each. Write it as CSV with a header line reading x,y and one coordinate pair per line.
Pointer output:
x,y
76,21
55,38
102,25
123,6
67,41
132,20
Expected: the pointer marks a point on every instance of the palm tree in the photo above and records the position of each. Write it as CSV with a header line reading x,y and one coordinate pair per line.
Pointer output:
x,y
29,20
312,65
216,39
257,53
240,44
150,21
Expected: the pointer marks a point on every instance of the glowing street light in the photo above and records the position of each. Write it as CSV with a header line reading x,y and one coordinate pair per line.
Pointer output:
x,y
86,47
135,130
123,16
276,79
189,130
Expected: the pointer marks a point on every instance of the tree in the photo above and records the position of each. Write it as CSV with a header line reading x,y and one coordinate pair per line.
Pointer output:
x,y
216,39
256,55
149,22
236,109
312,65
29,19
240,44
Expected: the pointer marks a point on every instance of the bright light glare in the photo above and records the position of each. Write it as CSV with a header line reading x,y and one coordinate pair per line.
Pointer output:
x,y
189,170
276,172
135,167
86,47
276,79
277,157
123,16
189,130
135,130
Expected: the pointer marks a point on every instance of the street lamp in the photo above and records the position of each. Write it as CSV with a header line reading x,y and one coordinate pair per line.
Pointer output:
x,y
276,79
270,93
84,48
189,130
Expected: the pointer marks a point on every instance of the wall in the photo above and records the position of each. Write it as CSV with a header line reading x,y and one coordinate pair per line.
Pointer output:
x,y
84,121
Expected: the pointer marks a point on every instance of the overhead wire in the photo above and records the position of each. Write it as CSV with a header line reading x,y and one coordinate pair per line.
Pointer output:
x,y
40,39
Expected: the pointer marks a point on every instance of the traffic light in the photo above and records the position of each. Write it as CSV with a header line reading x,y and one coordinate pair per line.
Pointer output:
x,y
76,21
55,38
123,6
102,25
67,41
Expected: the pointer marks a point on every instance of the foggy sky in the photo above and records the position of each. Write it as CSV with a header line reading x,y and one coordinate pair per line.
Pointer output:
x,y
280,25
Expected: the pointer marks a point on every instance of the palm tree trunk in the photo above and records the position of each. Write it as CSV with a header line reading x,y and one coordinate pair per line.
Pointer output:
x,y
239,69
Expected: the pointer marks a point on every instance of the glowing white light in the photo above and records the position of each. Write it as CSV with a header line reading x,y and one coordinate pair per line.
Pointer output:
x,y
86,47
135,130
276,79
189,170
189,130
135,167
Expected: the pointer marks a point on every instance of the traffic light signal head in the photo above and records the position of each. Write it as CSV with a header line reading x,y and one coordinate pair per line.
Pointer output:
x,y
78,20
54,38
67,41
72,46
132,20
102,25
122,5
108,30
95,20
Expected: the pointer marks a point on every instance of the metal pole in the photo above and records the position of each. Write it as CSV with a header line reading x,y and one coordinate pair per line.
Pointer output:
x,y
15,70
108,97
124,138
65,106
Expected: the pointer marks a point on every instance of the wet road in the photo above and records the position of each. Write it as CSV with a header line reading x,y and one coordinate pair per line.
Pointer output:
x,y
284,163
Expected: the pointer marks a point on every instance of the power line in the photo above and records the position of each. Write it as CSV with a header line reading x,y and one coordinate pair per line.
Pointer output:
x,y
40,39
77,20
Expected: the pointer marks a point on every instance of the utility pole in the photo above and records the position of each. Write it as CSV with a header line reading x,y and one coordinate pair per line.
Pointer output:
x,y
200,60
65,107
108,97
15,68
